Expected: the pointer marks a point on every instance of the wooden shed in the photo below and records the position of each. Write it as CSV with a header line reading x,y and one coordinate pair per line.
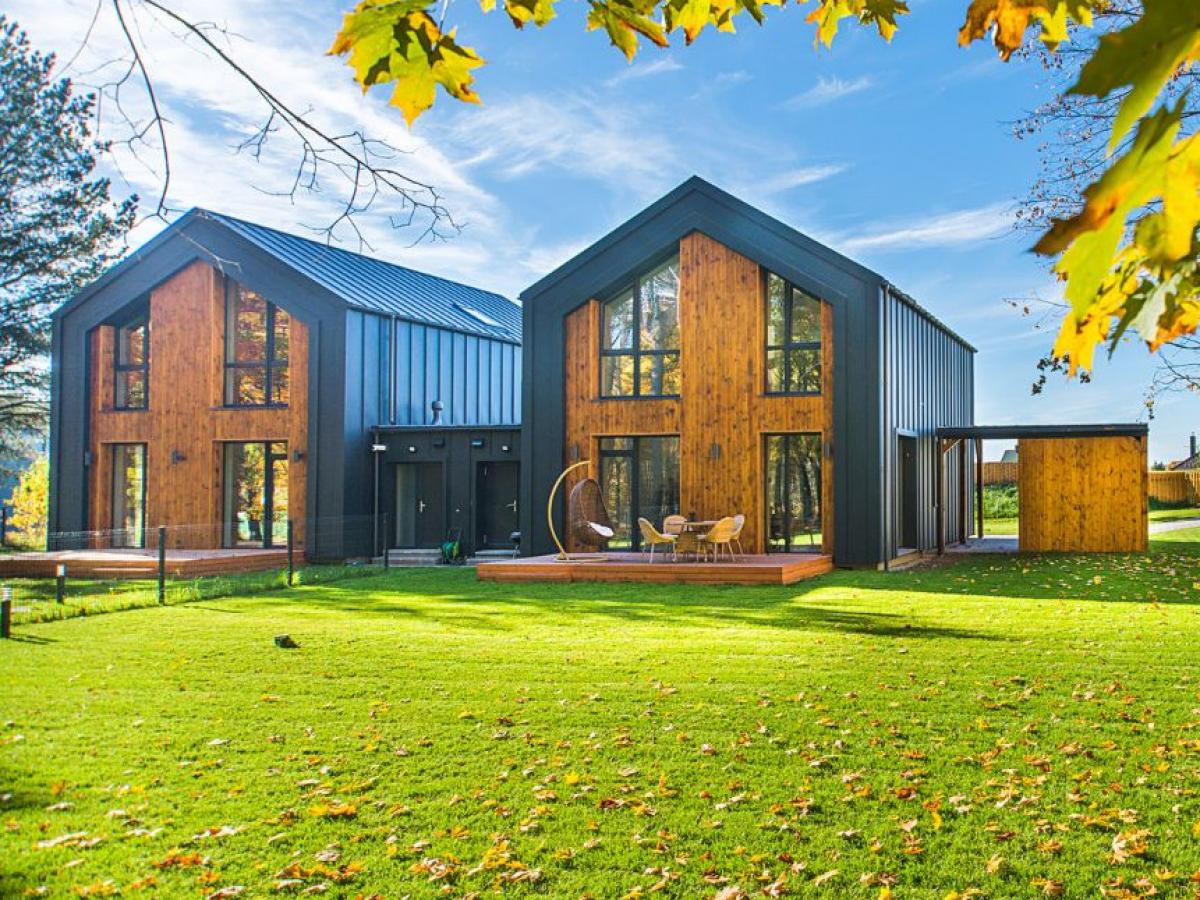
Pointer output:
x,y
1082,488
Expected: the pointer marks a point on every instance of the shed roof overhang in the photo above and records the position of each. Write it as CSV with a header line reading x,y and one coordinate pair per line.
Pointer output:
x,y
1016,432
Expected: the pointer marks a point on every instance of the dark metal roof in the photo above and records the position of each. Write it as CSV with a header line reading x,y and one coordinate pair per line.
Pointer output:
x,y
1016,432
361,282
382,287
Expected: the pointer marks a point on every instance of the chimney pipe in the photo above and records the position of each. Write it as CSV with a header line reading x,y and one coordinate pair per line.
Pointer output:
x,y
1192,445
437,412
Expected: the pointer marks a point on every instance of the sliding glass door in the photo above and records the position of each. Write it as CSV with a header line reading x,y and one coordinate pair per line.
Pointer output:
x,y
793,485
129,495
255,494
639,477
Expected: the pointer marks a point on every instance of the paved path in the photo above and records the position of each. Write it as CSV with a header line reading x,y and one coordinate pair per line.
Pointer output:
x,y
1177,525
1003,543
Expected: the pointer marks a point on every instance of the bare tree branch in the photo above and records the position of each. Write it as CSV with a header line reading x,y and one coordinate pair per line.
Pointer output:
x,y
364,167
158,121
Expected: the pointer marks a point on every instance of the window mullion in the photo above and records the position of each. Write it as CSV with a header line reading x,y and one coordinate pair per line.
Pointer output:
x,y
637,339
268,376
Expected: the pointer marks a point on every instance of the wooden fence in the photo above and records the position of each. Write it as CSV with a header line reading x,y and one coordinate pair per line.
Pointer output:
x,y
1175,487
1166,487
1000,473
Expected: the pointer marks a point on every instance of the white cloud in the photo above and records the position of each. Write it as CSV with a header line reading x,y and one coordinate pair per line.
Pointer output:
x,y
646,70
827,90
531,134
794,178
946,229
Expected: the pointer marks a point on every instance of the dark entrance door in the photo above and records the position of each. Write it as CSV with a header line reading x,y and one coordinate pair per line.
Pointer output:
x,y
420,505
907,493
496,488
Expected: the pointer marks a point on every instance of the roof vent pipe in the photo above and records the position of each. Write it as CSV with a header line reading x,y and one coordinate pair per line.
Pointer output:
x,y
437,412
1192,445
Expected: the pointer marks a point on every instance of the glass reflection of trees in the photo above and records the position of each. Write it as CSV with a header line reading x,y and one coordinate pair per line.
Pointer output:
x,y
257,347
793,465
639,477
793,339
639,346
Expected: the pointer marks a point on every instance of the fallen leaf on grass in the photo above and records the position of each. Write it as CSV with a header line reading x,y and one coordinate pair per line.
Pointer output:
x,y
107,888
215,832
333,810
825,877
178,859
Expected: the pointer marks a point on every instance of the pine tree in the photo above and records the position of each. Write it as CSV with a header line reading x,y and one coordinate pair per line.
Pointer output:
x,y
59,227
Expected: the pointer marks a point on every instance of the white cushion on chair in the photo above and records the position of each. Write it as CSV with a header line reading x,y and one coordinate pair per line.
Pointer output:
x,y
602,530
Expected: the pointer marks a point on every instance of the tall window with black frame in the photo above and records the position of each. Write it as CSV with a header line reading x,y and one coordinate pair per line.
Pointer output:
x,y
257,343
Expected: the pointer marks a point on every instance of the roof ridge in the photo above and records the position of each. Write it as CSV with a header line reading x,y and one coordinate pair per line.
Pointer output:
x,y
203,211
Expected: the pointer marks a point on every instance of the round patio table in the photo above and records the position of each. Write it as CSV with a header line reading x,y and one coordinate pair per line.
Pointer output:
x,y
693,530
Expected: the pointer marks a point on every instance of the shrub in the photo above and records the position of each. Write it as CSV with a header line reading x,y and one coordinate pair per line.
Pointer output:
x,y
1000,501
31,504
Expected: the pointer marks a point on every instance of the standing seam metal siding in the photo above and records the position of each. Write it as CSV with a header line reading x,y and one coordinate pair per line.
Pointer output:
x,y
475,378
928,383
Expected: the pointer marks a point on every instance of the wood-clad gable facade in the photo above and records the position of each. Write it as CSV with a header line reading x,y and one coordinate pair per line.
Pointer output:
x,y
890,375
369,345
723,413
186,423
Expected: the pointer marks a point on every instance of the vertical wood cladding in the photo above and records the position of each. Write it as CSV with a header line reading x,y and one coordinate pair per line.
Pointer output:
x,y
186,416
1086,495
722,321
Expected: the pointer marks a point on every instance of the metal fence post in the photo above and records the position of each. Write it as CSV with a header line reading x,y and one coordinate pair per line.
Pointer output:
x,y
3,526
386,561
291,552
162,564
6,611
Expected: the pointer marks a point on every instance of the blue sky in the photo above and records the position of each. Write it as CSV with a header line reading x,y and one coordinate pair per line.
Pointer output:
x,y
900,155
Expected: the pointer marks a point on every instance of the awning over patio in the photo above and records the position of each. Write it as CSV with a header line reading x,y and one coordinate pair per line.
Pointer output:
x,y
1016,432
1086,487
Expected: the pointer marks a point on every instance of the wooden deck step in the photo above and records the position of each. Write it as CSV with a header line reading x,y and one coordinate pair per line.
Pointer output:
x,y
777,569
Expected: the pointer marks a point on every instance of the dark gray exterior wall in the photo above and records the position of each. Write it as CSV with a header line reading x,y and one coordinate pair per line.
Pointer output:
x,y
452,448
478,380
395,369
928,384
852,290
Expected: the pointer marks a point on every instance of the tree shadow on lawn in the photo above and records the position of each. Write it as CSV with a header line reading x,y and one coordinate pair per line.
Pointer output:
x,y
476,605
1167,573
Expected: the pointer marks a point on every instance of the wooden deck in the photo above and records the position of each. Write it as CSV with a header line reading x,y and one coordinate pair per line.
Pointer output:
x,y
140,563
774,569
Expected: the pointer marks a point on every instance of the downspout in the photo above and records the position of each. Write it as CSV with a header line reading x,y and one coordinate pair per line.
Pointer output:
x,y
885,337
375,491
393,363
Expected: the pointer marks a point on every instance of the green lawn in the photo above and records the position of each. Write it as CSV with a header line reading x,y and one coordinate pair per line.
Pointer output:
x,y
1020,726
1001,526
1174,515
35,599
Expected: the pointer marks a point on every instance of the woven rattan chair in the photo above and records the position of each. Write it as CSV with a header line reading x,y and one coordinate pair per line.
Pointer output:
x,y
739,522
652,537
589,521
718,537
673,524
